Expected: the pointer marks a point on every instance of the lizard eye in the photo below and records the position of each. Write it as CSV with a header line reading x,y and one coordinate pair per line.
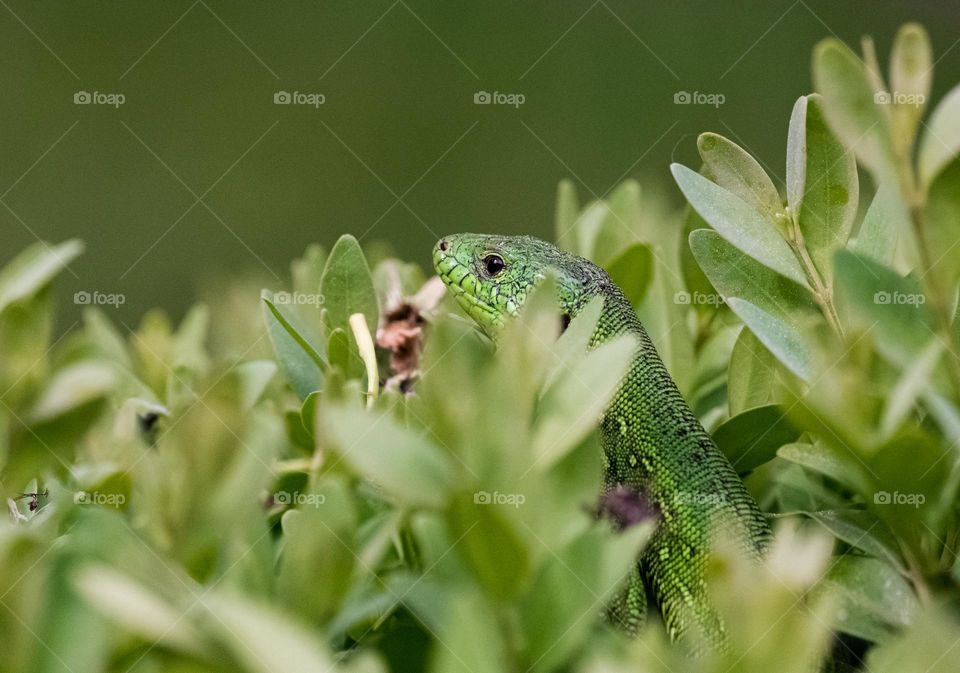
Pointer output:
x,y
494,264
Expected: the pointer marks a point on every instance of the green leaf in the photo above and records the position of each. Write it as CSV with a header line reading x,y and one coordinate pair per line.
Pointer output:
x,y
632,271
308,413
752,438
864,531
489,544
878,299
873,598
565,217
307,270
617,224
739,223
885,219
105,338
297,352
136,609
188,342
941,138
72,387
468,634
851,108
734,274
665,319
261,637
347,286
822,185
942,224
731,167
571,408
781,338
318,553
590,569
910,387
31,270
842,467
694,279
572,345
342,352
406,465
752,374
911,74
924,648
254,376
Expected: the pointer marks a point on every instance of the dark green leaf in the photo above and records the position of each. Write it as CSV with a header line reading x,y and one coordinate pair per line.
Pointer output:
x,y
823,188
632,271
753,437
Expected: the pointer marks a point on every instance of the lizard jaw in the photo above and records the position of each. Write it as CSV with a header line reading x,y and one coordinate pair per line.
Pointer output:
x,y
456,276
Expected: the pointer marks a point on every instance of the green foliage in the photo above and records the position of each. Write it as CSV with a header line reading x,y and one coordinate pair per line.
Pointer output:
x,y
173,507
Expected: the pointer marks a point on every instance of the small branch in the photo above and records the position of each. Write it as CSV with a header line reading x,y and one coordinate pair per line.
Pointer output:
x,y
821,292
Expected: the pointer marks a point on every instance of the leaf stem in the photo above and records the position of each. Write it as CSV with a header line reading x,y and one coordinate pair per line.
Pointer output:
x,y
358,323
821,292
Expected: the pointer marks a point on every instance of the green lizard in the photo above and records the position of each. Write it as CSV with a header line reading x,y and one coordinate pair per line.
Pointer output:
x,y
654,446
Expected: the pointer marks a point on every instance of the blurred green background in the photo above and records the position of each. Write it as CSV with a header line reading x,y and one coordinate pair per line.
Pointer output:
x,y
199,173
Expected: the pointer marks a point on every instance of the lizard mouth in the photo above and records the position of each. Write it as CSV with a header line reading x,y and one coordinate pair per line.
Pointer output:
x,y
459,278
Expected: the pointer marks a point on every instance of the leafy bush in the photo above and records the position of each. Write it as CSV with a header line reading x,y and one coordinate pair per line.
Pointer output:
x,y
240,492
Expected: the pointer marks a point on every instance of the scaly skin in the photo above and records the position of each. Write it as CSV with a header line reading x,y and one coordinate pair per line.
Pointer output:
x,y
653,443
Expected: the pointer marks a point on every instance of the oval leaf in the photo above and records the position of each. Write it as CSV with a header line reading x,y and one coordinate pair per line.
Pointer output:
x,y
739,223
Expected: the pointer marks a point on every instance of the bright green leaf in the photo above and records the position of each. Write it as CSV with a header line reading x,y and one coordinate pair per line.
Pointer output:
x,y
734,274
823,190
299,354
941,138
752,374
347,286
781,338
572,406
489,543
911,74
885,219
873,598
32,269
406,465
739,223
732,167
854,108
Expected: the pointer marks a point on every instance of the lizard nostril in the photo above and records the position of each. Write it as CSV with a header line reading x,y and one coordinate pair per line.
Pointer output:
x,y
443,245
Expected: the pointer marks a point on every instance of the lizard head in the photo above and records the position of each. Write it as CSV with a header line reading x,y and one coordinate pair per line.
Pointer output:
x,y
491,275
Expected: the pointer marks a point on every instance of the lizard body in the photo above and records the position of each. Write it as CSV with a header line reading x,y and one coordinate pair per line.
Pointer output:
x,y
653,443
